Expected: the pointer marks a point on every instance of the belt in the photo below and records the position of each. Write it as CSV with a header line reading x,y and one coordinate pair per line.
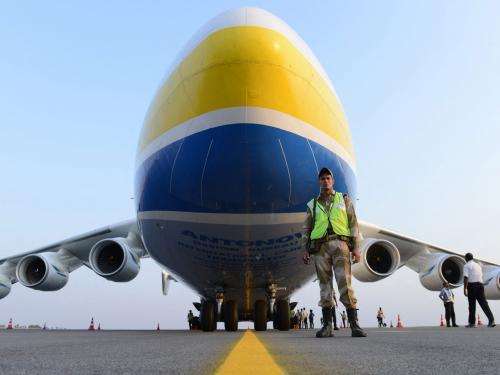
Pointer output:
x,y
332,237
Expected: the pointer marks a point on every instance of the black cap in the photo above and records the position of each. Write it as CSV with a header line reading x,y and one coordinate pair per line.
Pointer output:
x,y
323,171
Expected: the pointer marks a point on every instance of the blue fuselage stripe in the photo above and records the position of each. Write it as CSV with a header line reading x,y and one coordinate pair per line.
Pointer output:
x,y
237,168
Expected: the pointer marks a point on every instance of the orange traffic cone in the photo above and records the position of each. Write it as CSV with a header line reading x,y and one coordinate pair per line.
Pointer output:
x,y
391,326
442,321
400,324
99,327
479,323
158,327
91,327
9,326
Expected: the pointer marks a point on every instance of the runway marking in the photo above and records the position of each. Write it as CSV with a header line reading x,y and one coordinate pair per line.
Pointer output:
x,y
249,356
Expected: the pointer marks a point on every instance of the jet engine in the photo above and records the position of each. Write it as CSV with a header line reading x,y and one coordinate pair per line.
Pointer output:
x,y
441,268
492,283
379,259
5,286
42,271
115,259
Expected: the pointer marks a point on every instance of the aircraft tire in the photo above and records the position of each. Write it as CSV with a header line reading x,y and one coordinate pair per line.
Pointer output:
x,y
207,315
260,315
231,316
283,314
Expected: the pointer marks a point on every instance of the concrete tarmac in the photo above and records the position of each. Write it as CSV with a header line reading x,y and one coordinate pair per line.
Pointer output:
x,y
421,351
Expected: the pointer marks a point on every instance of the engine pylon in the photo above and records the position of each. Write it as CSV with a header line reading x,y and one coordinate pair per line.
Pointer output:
x,y
91,326
479,322
9,326
400,324
442,321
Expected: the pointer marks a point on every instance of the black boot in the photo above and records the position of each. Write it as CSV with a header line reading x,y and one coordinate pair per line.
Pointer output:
x,y
326,330
356,331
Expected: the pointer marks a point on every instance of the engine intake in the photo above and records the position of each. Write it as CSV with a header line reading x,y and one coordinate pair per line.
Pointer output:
x,y
42,272
379,259
443,268
115,259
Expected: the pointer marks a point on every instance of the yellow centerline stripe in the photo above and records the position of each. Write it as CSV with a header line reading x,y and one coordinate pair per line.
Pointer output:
x,y
249,356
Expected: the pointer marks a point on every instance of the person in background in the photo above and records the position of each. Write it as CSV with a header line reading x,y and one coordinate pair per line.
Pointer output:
x,y
380,317
311,318
305,315
446,295
190,317
344,317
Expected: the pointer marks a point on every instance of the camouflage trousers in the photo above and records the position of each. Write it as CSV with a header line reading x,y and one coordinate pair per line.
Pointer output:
x,y
334,254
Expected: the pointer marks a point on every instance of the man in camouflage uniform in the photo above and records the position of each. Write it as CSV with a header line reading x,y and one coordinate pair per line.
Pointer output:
x,y
327,237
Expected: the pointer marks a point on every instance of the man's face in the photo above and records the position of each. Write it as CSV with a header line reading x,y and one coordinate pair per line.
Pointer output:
x,y
326,182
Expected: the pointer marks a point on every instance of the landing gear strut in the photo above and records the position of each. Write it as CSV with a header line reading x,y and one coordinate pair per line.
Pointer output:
x,y
280,309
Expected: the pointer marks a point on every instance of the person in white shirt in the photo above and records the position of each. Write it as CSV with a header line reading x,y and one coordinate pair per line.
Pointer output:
x,y
474,291
380,317
446,295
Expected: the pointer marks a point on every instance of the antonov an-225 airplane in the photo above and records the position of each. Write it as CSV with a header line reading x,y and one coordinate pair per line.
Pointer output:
x,y
227,160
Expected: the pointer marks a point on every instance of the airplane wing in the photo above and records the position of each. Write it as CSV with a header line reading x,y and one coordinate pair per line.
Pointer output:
x,y
384,251
113,252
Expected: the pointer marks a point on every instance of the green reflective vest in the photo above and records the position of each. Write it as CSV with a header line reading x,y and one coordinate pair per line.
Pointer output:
x,y
338,218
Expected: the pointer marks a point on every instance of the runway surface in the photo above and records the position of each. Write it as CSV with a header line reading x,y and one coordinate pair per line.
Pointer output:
x,y
385,351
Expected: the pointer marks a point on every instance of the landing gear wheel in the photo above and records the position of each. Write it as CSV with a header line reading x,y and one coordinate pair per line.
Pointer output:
x,y
207,316
260,315
283,315
230,316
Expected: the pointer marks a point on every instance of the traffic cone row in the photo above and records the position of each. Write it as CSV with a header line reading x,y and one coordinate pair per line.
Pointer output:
x,y
479,323
442,321
158,327
9,326
91,327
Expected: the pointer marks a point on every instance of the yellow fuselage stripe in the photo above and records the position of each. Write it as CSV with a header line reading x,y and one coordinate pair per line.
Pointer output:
x,y
246,66
249,356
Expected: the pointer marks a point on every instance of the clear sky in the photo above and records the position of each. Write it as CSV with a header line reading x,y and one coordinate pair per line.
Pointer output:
x,y
419,82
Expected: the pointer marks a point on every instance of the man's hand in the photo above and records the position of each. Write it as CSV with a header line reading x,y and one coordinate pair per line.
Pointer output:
x,y
306,257
356,256
465,292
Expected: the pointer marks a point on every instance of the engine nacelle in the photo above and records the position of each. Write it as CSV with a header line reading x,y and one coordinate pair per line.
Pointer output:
x,y
379,259
42,271
5,286
443,268
491,280
115,259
